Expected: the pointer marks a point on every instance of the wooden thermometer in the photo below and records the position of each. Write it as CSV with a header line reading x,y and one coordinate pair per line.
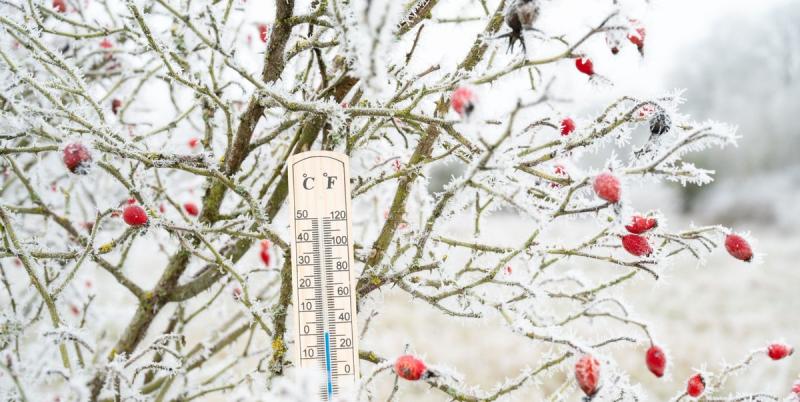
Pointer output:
x,y
322,268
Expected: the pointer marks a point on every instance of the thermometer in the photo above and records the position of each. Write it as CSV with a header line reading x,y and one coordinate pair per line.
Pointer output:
x,y
324,299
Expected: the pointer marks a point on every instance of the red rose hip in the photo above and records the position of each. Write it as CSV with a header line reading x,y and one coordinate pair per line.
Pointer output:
x,y
191,208
77,158
656,360
587,373
696,386
265,254
607,187
60,6
262,32
410,368
636,245
134,215
585,65
637,39
463,101
778,351
116,104
567,126
738,247
641,224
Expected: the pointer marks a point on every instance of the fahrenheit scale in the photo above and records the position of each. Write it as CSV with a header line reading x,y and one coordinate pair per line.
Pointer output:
x,y
322,268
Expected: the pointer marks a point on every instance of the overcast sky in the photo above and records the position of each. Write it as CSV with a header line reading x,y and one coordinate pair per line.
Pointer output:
x,y
677,24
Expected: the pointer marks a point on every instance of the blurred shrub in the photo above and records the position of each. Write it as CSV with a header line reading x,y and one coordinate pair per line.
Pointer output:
x,y
747,71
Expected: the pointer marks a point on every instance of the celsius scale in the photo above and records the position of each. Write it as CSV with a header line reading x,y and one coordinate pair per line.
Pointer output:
x,y
324,299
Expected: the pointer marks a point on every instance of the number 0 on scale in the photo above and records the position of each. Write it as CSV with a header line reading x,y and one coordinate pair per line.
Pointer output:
x,y
322,268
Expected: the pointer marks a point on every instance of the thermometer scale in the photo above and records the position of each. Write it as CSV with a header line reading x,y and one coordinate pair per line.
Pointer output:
x,y
324,302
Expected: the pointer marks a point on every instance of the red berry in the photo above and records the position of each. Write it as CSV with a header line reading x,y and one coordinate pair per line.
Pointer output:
x,y
193,142
656,360
131,201
778,351
60,6
587,373
191,208
77,158
696,385
738,247
585,65
636,245
607,187
411,368
463,101
115,105
567,126
265,255
262,32
162,208
134,215
637,37
106,44
74,310
796,388
640,224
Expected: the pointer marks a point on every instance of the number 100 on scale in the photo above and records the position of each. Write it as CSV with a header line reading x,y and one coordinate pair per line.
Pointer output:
x,y
324,281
